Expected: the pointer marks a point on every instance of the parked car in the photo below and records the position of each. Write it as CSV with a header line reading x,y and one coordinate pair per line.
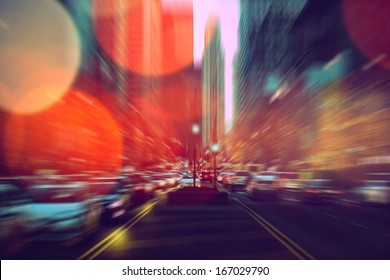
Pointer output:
x,y
17,226
141,186
374,192
70,210
263,187
113,196
289,186
188,181
164,181
320,191
237,180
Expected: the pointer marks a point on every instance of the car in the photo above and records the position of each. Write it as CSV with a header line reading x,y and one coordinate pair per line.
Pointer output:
x,y
291,189
188,181
221,176
320,191
206,175
159,181
70,210
141,186
17,226
290,185
374,192
113,196
263,187
237,181
164,181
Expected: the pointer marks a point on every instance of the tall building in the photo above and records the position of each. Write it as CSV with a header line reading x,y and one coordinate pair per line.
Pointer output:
x,y
264,61
264,48
213,73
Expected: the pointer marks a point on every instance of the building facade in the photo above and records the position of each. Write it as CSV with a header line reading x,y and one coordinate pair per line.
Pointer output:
x,y
213,76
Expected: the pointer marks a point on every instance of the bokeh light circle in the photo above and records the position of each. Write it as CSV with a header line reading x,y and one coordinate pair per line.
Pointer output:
x,y
368,25
146,37
74,135
39,54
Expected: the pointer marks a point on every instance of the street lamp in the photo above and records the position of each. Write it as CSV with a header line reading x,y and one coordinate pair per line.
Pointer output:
x,y
215,149
195,131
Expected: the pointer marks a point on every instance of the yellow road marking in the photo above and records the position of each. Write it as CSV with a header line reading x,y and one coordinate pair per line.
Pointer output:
x,y
111,238
282,238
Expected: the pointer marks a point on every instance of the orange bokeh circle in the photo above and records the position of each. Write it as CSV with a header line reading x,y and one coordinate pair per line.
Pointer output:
x,y
74,135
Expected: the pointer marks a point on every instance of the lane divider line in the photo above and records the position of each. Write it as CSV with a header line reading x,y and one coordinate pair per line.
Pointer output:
x,y
112,237
360,225
293,247
331,215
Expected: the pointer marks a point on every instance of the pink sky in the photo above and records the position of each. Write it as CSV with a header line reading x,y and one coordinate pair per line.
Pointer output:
x,y
228,13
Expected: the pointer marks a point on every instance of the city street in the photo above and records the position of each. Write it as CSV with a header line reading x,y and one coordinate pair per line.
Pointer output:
x,y
241,229
195,130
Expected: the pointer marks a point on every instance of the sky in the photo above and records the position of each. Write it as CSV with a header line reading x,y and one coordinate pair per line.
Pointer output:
x,y
228,13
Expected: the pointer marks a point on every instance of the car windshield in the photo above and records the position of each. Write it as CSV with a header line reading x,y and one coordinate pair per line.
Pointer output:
x,y
59,194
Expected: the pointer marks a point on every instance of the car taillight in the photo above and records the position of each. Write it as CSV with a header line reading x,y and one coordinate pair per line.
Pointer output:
x,y
334,191
312,191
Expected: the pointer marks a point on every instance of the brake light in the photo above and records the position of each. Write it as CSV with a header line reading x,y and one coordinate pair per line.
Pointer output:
x,y
312,191
334,191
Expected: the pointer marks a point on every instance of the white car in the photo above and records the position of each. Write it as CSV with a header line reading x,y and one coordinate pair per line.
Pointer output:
x,y
374,192
70,210
188,181
263,187
237,181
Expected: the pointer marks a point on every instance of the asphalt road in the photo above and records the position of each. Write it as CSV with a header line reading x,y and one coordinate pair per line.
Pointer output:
x,y
329,231
241,229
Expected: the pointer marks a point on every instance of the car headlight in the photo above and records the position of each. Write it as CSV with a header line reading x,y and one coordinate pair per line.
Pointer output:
x,y
116,204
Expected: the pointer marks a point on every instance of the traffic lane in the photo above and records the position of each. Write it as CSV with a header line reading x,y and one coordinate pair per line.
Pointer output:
x,y
72,249
366,216
373,218
320,232
62,250
196,232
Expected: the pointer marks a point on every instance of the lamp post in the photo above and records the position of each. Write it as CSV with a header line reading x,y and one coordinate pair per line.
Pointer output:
x,y
195,131
215,149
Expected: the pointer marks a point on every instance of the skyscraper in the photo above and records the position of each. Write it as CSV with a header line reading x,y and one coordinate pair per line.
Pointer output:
x,y
213,86
264,48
